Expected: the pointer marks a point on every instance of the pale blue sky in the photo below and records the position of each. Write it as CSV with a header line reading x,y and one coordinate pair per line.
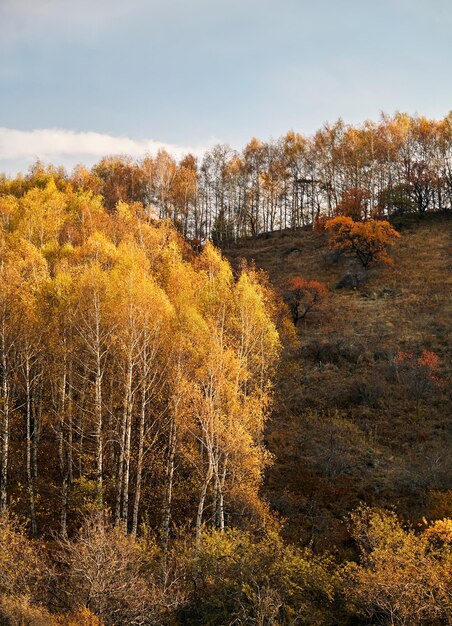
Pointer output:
x,y
190,73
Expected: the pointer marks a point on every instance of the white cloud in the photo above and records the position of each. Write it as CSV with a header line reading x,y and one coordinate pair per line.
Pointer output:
x,y
19,148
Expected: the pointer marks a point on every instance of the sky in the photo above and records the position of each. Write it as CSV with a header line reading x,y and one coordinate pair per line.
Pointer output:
x,y
86,78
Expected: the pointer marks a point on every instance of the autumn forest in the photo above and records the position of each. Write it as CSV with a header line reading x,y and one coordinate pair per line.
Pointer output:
x,y
225,384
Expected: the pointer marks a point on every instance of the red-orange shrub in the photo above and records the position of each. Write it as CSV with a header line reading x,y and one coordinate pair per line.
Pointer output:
x,y
368,241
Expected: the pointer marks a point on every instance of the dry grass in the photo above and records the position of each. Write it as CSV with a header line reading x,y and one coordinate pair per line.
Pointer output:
x,y
421,277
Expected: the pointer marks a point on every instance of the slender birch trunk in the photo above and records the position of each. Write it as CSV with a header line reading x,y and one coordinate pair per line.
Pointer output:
x,y
221,478
202,499
166,516
5,424
70,433
37,413
125,505
124,447
30,481
98,402
136,504
61,455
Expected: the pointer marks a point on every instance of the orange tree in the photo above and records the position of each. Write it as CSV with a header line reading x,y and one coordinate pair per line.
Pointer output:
x,y
354,203
368,241
302,295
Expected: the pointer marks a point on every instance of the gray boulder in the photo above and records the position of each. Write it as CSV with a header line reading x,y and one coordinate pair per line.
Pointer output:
x,y
351,280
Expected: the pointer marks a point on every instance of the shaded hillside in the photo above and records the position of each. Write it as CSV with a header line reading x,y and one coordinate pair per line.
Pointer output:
x,y
351,424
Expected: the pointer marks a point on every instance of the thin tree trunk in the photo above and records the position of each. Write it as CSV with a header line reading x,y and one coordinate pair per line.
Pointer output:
x,y
63,469
201,503
70,433
124,448
122,445
136,504
125,506
98,434
37,410
166,516
31,491
98,410
221,482
5,427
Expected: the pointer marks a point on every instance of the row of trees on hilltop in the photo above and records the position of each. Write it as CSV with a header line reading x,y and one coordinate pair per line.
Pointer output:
x,y
134,374
399,164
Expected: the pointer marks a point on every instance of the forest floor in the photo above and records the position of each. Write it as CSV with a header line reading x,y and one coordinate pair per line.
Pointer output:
x,y
347,428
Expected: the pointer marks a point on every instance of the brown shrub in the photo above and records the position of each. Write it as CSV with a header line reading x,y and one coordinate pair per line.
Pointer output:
x,y
303,295
115,577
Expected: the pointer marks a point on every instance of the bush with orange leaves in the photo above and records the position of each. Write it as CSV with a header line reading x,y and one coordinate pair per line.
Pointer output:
x,y
368,241
302,295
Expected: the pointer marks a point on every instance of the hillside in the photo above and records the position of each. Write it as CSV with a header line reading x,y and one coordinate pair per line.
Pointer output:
x,y
348,426
174,451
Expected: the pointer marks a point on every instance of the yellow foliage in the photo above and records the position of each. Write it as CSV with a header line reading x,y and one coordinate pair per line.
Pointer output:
x,y
403,578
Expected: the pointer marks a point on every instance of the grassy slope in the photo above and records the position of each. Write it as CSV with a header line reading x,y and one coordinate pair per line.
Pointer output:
x,y
344,429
